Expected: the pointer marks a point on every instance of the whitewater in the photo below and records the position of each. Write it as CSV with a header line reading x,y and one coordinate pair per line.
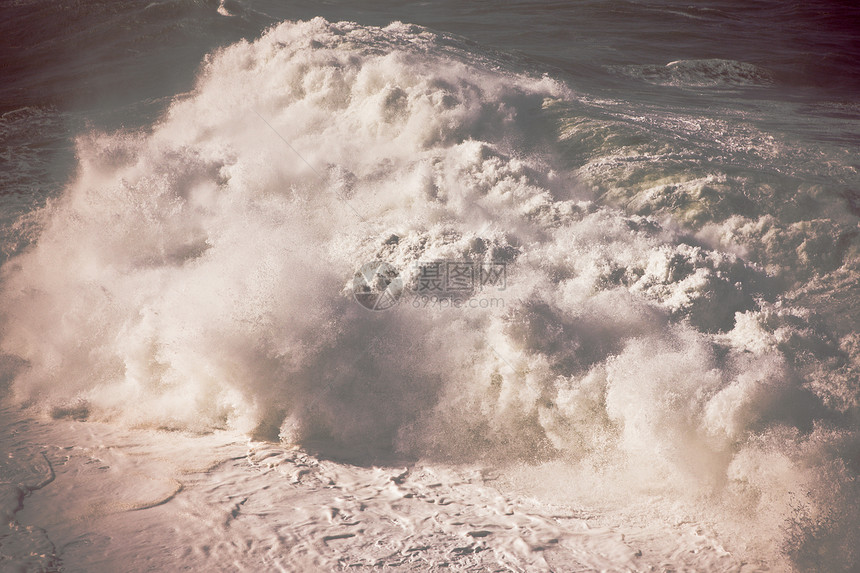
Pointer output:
x,y
661,371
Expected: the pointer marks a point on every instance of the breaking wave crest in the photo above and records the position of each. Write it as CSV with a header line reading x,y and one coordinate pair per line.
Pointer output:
x,y
199,275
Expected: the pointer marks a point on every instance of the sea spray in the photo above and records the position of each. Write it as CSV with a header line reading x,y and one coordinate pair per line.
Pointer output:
x,y
199,275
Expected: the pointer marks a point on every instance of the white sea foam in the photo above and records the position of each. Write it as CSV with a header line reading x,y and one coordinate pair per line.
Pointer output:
x,y
198,275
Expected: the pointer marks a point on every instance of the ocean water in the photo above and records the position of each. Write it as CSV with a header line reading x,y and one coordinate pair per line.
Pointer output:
x,y
610,250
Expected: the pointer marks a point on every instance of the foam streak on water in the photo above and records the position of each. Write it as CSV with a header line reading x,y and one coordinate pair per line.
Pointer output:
x,y
198,276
